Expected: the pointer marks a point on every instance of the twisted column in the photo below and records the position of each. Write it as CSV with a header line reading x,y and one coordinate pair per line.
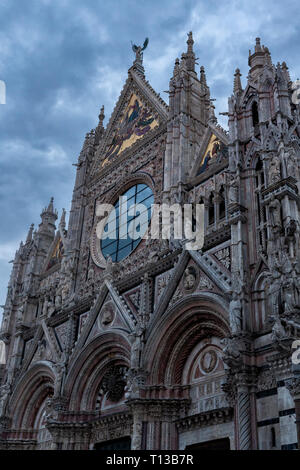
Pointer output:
x,y
244,418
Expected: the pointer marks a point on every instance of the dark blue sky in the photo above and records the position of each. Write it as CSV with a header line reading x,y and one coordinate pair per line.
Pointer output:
x,y
62,59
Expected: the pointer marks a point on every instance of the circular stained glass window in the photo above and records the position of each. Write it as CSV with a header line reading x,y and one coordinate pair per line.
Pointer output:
x,y
127,222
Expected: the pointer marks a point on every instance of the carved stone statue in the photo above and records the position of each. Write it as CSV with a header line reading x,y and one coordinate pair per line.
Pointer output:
x,y
91,274
273,290
60,371
291,228
48,409
137,346
4,396
50,308
20,314
291,163
275,215
107,314
111,269
278,331
189,278
57,301
235,315
45,307
231,353
291,292
41,352
138,50
5,322
233,192
2,353
274,170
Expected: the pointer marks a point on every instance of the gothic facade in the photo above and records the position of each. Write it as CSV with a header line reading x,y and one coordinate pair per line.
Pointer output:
x,y
152,345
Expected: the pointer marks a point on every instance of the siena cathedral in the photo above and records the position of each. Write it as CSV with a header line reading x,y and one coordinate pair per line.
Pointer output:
x,y
143,343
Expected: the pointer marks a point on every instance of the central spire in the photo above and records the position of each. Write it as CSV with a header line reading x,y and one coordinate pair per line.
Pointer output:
x,y
190,55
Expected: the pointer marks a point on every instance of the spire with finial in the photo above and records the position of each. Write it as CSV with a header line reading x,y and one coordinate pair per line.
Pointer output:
x,y
237,85
202,76
100,128
257,45
260,58
190,55
101,115
286,72
51,206
176,67
48,216
62,223
30,232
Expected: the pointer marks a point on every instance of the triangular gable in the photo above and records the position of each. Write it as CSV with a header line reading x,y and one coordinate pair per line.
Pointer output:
x,y
55,253
136,120
213,148
108,319
138,113
213,151
124,317
193,280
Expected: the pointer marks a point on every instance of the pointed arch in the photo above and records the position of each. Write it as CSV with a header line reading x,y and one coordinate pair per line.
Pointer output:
x,y
176,334
85,374
29,393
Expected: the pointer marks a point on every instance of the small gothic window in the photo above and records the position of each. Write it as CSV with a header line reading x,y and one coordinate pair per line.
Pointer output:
x,y
273,437
211,210
255,117
261,210
260,178
222,203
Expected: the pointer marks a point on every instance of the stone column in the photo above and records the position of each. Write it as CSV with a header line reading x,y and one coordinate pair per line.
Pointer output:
x,y
154,423
137,430
243,417
239,389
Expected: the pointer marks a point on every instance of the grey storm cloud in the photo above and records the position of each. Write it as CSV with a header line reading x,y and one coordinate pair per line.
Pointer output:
x,y
62,59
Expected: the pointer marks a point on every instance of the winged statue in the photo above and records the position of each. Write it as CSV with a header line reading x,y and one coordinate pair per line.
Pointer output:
x,y
138,50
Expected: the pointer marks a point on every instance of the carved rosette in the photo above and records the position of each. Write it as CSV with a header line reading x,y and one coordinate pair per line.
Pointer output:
x,y
114,382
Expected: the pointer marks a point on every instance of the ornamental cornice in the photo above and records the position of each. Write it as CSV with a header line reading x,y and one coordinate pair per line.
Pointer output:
x,y
207,418
165,409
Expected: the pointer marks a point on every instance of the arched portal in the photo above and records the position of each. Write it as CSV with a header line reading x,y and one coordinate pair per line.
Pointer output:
x,y
185,352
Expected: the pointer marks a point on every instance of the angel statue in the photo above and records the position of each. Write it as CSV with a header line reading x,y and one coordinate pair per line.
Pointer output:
x,y
138,50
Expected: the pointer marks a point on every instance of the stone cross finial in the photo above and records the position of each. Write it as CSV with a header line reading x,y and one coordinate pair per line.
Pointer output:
x,y
30,232
190,55
237,85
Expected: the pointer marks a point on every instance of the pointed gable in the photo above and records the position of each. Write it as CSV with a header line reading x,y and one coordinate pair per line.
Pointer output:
x,y
214,150
55,253
139,113
135,122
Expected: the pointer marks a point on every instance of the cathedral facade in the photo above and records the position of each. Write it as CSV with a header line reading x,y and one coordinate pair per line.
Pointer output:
x,y
144,343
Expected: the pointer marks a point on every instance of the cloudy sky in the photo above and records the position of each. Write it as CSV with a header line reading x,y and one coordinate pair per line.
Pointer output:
x,y
62,59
